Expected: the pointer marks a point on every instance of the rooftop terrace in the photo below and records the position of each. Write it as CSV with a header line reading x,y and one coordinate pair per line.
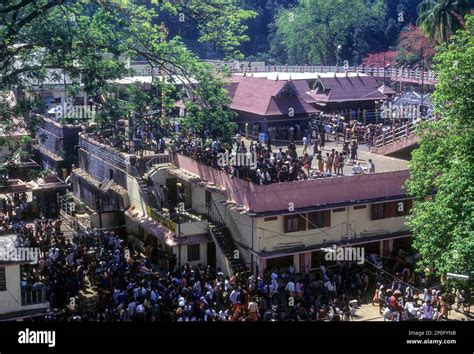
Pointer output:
x,y
387,182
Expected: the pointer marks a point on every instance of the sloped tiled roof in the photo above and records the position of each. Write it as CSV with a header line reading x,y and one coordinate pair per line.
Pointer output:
x,y
350,88
265,97
386,90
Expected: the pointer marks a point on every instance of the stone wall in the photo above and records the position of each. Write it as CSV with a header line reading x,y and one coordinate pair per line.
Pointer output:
x,y
88,194
54,137
99,160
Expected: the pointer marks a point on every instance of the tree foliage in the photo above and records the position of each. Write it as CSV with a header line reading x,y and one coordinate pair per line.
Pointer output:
x,y
413,47
209,109
443,226
380,59
311,32
90,42
439,19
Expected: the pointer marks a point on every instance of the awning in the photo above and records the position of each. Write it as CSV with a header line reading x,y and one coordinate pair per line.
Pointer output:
x,y
346,243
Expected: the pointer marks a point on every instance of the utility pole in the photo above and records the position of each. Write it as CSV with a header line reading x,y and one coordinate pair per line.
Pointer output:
x,y
98,205
422,87
178,220
165,33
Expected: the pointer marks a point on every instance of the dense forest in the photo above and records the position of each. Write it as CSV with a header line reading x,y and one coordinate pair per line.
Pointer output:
x,y
311,31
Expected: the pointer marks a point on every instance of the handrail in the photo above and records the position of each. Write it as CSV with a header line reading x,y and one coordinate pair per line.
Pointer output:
x,y
397,134
159,159
134,172
33,297
214,214
404,73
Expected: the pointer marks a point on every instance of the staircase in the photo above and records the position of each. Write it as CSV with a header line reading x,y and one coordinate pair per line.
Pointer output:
x,y
147,192
222,237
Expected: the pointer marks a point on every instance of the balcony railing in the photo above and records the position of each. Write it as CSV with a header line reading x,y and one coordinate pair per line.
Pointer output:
x,y
162,220
400,133
33,297
394,73
189,222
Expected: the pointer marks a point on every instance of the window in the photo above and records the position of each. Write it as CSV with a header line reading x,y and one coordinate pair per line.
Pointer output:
x,y
79,101
271,218
3,280
294,223
358,207
377,211
319,219
194,252
275,264
111,175
391,209
339,210
208,199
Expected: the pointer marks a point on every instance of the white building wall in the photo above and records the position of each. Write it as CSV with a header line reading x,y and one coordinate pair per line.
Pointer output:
x,y
10,300
271,233
184,254
134,195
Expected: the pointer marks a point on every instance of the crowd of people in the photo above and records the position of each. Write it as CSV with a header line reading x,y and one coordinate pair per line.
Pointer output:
x,y
147,136
131,288
284,165
320,126
131,284
335,126
128,286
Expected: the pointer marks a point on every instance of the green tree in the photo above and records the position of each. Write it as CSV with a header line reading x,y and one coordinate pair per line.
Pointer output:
x,y
443,226
89,41
439,19
201,113
311,32
414,47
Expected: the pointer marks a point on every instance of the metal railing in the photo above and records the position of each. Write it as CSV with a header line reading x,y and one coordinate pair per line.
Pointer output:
x,y
394,135
159,160
33,297
394,73
214,214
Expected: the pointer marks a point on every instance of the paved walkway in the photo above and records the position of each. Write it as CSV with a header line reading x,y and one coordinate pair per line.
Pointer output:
x,y
382,163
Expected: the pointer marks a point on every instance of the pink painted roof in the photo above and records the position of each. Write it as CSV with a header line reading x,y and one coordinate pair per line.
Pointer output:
x,y
265,97
346,89
386,90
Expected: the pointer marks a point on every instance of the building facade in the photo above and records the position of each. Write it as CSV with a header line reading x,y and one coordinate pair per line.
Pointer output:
x,y
293,223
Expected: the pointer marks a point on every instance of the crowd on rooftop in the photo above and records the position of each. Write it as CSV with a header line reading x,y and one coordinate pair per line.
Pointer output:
x,y
266,166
